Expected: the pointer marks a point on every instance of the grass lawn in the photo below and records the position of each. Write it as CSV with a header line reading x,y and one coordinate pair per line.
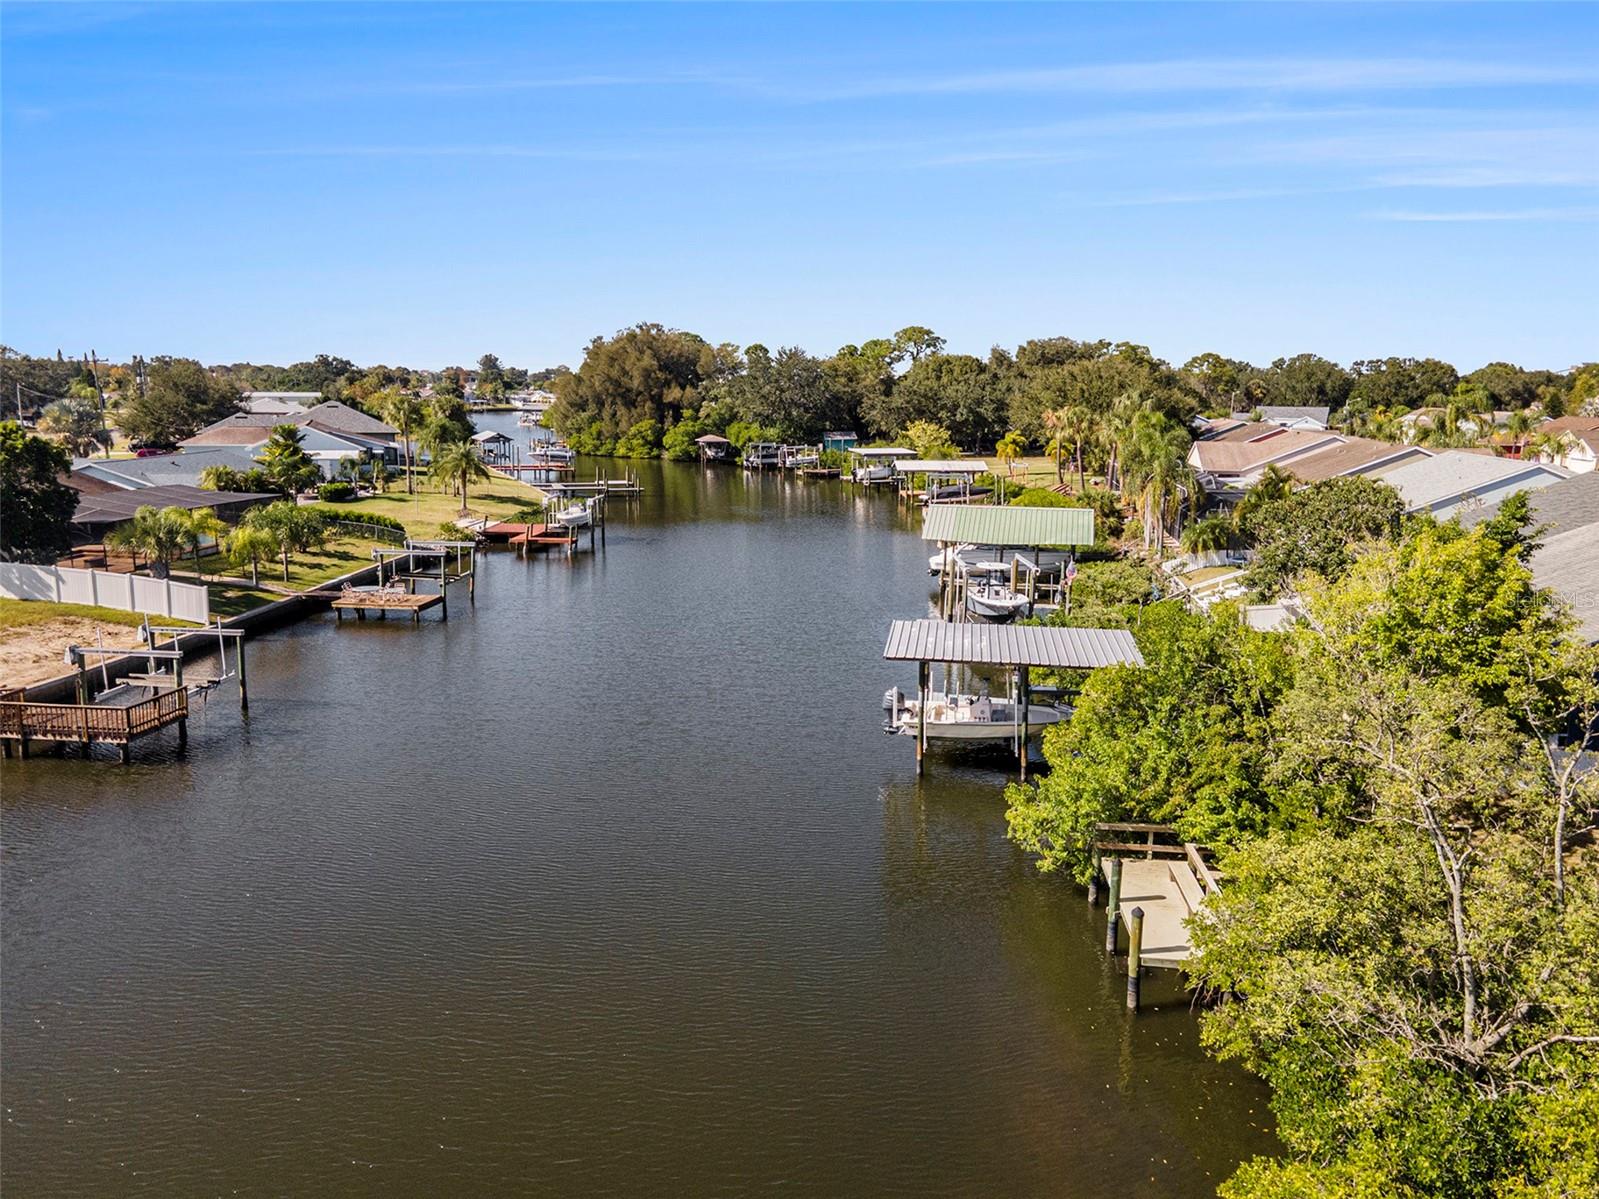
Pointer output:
x,y
498,498
17,614
339,557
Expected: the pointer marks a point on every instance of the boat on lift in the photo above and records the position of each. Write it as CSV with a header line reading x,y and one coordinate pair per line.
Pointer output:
x,y
576,516
875,464
551,452
964,717
992,597
762,454
968,556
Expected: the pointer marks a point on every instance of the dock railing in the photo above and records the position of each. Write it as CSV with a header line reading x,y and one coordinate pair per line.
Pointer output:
x,y
23,719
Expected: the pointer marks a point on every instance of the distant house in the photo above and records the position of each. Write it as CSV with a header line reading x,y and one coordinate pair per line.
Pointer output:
x,y
1567,561
100,511
1579,442
1354,456
280,403
1454,481
332,433
1231,459
162,470
1288,416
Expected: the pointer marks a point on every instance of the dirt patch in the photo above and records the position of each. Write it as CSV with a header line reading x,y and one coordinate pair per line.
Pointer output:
x,y
33,652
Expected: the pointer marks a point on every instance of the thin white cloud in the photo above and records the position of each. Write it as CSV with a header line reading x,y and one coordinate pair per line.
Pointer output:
x,y
1517,214
1200,75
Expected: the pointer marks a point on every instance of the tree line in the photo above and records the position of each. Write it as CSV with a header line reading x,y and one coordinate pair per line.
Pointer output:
x,y
1406,946
651,389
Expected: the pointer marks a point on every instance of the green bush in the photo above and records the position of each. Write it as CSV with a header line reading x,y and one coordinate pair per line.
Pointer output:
x,y
592,440
1043,497
359,518
643,440
336,491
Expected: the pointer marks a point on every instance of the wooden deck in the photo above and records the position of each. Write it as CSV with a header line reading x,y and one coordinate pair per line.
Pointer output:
x,y
23,721
1158,886
362,602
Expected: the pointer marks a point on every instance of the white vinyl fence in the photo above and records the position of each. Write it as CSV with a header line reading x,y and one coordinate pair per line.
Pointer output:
x,y
131,593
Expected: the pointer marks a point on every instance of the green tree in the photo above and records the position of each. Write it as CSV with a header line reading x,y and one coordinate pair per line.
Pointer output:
x,y
160,534
196,526
36,506
1415,973
929,440
249,544
1009,448
182,397
77,422
1185,739
285,461
1317,529
293,527
457,465
1157,468
404,411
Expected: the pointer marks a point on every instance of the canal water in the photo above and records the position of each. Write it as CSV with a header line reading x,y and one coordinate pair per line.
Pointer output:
x,y
609,885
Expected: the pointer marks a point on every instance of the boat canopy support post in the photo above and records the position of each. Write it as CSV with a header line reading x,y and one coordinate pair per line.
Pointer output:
x,y
922,671
1023,690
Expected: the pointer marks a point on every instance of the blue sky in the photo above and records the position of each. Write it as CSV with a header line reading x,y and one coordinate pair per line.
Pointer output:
x,y
420,184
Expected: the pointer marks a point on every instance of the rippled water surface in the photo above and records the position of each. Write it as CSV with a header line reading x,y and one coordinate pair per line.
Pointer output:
x,y
609,885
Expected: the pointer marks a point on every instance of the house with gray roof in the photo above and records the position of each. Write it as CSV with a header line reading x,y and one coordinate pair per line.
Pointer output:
x,y
1453,481
163,470
1289,416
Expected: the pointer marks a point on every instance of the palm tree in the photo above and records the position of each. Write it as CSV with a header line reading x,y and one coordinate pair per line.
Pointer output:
x,y
404,412
292,527
197,525
1274,484
1055,446
1078,424
76,421
157,533
285,460
1207,536
1009,448
1517,426
1116,431
250,543
457,464
1157,465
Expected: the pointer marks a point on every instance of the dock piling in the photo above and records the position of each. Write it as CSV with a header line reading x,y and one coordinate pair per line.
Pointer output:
x,y
1135,945
1113,907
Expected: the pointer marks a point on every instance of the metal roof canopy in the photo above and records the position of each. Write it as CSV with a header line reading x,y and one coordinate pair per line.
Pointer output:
x,y
1010,645
876,451
933,466
1008,527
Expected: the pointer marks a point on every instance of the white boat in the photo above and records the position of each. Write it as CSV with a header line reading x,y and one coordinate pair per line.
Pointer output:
x,y
967,717
551,452
993,557
575,516
763,454
992,598
876,464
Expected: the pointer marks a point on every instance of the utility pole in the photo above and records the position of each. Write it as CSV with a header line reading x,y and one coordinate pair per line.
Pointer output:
x,y
99,392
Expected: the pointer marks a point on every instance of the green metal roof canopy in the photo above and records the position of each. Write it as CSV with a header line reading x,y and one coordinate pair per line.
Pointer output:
x,y
1013,527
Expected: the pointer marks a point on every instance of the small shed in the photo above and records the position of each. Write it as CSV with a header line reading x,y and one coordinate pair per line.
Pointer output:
x,y
839,441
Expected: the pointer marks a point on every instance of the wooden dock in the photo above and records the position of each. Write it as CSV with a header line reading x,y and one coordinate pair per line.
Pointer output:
x,y
23,722
1155,887
362,602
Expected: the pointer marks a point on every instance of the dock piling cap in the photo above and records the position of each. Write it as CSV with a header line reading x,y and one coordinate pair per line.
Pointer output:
x,y
1137,913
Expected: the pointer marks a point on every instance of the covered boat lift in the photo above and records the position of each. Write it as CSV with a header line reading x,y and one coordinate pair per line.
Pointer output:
x,y
1003,528
1014,647
960,472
